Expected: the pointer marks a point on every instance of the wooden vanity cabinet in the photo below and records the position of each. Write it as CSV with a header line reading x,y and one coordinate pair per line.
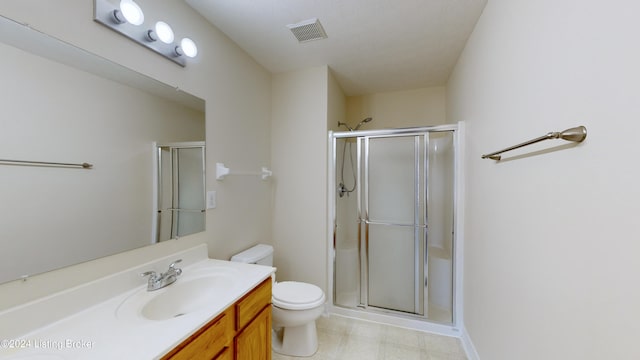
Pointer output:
x,y
254,341
241,332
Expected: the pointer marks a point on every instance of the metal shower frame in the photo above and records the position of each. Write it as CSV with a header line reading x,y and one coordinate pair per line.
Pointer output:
x,y
457,130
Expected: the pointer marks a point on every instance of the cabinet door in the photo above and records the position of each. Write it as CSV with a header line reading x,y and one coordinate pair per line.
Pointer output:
x,y
254,342
251,305
227,354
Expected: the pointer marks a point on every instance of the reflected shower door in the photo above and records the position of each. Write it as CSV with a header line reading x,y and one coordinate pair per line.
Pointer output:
x,y
394,217
181,199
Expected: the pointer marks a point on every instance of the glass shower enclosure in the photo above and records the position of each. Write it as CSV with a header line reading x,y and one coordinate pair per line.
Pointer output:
x,y
394,222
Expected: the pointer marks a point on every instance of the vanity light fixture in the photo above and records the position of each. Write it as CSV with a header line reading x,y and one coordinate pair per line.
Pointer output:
x,y
126,19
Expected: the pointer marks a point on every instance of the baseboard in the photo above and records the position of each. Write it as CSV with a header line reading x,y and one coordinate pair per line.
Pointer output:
x,y
467,345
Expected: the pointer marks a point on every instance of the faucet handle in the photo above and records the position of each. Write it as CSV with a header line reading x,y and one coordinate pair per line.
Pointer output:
x,y
147,273
173,267
154,280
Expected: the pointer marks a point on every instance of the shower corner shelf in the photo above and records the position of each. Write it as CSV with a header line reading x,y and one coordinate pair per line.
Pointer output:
x,y
223,171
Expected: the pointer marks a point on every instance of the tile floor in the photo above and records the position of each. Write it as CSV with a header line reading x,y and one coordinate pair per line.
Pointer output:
x,y
342,338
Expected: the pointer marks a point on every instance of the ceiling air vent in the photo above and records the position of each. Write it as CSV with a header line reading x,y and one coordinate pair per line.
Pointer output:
x,y
308,30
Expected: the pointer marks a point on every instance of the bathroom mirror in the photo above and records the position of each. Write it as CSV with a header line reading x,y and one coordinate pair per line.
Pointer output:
x,y
63,104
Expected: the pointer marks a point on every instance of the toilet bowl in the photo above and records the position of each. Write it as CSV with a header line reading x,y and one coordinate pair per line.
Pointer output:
x,y
295,308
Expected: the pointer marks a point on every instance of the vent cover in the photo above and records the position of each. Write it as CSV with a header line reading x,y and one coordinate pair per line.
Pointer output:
x,y
308,30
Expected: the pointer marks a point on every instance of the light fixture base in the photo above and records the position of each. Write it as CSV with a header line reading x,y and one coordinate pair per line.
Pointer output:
x,y
103,14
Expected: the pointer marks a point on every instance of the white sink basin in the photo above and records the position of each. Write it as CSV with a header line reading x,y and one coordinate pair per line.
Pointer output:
x,y
189,294
184,297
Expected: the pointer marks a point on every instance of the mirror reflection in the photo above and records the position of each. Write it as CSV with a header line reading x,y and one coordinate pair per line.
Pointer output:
x,y
57,111
181,183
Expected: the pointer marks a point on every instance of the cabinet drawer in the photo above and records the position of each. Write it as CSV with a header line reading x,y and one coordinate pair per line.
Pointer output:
x,y
251,305
210,341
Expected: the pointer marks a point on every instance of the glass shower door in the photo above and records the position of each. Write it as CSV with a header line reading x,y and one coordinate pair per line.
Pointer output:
x,y
393,202
394,222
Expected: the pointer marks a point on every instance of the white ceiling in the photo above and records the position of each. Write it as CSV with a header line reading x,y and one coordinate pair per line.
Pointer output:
x,y
372,45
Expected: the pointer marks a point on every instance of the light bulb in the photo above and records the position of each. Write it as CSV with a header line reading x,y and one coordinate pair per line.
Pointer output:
x,y
189,47
164,32
132,12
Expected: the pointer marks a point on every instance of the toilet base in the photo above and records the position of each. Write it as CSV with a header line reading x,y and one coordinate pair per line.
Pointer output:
x,y
296,340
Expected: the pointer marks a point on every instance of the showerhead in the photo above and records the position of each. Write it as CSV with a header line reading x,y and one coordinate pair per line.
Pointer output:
x,y
363,122
357,126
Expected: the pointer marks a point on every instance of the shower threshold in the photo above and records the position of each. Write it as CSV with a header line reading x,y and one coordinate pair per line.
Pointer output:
x,y
397,318
435,314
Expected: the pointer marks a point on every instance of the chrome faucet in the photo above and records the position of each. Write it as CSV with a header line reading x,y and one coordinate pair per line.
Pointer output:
x,y
164,279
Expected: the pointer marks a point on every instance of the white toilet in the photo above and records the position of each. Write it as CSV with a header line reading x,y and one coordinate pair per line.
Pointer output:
x,y
296,306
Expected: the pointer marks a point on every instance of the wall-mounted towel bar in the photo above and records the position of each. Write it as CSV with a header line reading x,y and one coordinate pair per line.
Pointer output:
x,y
46,163
222,171
576,134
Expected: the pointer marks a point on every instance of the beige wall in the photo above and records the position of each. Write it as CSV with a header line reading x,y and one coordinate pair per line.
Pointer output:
x,y
409,108
299,160
551,247
236,90
337,103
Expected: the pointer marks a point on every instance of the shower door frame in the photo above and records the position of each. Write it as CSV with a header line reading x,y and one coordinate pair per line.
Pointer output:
x,y
398,318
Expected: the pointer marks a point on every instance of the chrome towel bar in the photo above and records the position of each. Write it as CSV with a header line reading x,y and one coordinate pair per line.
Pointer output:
x,y
576,134
46,163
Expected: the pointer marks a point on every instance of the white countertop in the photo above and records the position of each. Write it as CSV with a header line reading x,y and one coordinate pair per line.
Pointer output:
x,y
115,329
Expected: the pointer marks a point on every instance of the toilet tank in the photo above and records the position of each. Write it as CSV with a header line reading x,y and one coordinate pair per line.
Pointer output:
x,y
260,254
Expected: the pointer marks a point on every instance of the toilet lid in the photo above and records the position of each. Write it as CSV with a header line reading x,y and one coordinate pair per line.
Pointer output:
x,y
293,295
